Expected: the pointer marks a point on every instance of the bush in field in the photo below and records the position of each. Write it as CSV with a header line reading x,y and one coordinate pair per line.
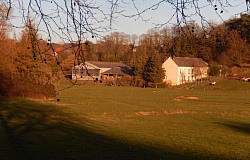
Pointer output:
x,y
32,90
214,71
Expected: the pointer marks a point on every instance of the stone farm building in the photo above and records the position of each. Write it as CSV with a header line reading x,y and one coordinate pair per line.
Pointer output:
x,y
181,70
95,70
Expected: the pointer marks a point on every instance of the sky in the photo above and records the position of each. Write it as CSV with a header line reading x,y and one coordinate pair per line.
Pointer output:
x,y
164,13
132,25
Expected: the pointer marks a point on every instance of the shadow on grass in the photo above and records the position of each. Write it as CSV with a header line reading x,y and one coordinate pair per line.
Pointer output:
x,y
32,131
237,126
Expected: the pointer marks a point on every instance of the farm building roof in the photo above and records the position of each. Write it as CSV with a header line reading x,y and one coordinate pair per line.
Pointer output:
x,y
107,64
245,65
189,62
115,68
123,70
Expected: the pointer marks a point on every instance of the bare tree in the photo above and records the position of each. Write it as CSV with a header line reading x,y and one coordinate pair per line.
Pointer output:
x,y
198,73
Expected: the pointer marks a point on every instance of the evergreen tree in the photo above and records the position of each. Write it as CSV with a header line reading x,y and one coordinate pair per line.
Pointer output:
x,y
241,25
153,71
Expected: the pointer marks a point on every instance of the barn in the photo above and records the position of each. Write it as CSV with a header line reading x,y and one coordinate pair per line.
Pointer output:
x,y
95,70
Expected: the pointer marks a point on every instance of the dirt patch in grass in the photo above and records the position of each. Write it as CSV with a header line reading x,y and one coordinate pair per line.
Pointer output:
x,y
53,103
179,98
179,112
233,114
163,112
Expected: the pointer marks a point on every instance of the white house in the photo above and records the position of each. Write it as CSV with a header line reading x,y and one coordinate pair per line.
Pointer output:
x,y
180,70
94,70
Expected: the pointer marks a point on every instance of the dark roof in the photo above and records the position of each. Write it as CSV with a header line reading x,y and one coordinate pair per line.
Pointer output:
x,y
246,65
123,70
107,64
189,62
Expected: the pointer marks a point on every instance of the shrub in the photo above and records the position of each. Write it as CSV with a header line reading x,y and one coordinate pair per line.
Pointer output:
x,y
26,88
32,89
214,71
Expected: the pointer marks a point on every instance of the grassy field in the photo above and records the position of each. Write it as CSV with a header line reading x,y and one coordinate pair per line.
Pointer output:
x,y
209,122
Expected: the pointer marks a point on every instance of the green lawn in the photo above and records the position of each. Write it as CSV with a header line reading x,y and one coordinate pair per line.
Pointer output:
x,y
90,122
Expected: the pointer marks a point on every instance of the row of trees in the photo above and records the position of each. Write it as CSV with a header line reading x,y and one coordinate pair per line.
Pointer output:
x,y
221,44
224,44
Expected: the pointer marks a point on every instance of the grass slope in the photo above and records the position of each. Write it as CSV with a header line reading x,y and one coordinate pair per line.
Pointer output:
x,y
129,123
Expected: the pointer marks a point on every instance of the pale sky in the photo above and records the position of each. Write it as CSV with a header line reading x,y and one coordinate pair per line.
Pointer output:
x,y
156,15
164,12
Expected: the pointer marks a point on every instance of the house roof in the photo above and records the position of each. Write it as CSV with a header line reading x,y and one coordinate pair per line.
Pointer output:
x,y
123,70
107,64
246,65
189,62
115,68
